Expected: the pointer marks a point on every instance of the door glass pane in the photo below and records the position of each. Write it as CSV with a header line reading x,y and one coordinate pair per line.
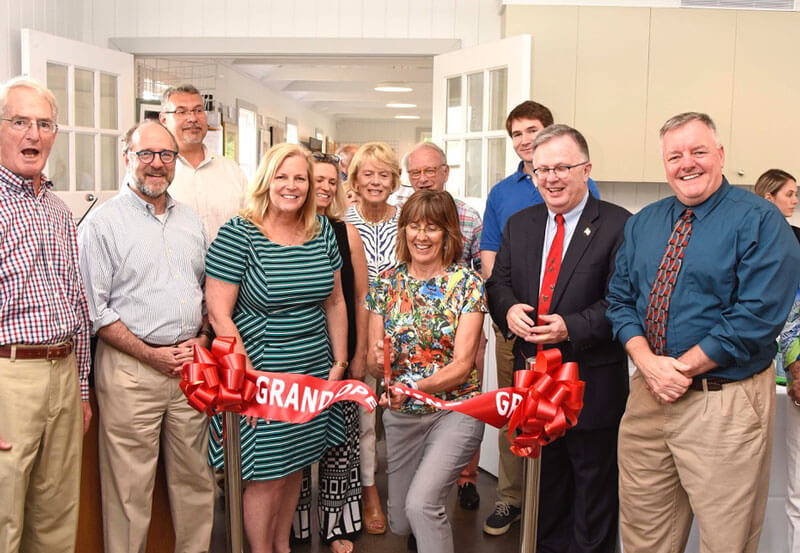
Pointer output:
x,y
109,157
497,161
498,93
455,113
84,98
84,161
108,101
57,83
454,149
58,163
473,168
475,102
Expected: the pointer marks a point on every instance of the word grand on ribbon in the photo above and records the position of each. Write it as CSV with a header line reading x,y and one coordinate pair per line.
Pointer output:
x,y
219,380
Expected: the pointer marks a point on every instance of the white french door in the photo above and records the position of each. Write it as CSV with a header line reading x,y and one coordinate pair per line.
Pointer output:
x,y
94,89
473,91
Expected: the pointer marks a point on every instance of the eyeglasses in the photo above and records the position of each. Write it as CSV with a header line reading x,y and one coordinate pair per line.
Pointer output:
x,y
23,124
182,112
561,171
326,158
427,229
147,156
427,171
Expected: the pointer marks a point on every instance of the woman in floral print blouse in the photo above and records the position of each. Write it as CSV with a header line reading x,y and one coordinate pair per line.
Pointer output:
x,y
432,309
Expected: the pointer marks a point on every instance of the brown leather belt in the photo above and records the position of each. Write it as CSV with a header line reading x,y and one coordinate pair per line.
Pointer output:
x,y
37,351
715,383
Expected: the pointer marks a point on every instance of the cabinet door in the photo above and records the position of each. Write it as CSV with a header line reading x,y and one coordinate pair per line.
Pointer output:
x,y
691,69
611,89
766,111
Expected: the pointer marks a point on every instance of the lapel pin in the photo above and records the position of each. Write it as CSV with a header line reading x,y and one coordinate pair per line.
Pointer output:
x,y
587,231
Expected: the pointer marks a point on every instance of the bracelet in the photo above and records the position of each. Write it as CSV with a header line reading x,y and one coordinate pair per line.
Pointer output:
x,y
207,332
342,364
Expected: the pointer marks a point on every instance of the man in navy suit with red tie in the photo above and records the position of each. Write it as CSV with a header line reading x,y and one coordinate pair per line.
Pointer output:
x,y
548,288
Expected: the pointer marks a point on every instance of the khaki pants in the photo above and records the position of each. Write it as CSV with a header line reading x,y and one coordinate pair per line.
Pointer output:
x,y
509,477
707,454
140,409
41,416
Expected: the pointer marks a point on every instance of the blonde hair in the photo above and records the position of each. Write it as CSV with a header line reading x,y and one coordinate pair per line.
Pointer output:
x,y
379,152
257,203
336,208
771,181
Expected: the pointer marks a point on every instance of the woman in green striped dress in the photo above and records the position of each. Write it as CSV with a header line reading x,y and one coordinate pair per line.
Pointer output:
x,y
274,284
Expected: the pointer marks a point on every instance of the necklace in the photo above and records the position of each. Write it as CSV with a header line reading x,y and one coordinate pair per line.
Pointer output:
x,y
383,217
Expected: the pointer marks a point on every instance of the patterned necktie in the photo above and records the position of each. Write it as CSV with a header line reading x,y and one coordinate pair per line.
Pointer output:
x,y
551,268
658,305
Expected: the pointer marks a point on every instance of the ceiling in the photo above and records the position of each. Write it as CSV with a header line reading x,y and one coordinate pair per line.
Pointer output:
x,y
343,87
334,76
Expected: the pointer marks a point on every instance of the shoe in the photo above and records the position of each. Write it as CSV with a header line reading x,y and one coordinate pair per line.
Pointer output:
x,y
412,543
374,519
501,519
468,496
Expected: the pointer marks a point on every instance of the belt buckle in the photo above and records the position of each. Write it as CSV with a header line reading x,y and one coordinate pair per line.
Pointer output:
x,y
51,349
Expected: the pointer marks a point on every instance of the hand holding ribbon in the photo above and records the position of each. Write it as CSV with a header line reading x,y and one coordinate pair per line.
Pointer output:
x,y
543,403
219,381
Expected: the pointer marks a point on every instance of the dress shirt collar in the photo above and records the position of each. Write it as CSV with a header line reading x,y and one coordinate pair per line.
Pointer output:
x,y
704,208
208,157
19,185
138,202
570,217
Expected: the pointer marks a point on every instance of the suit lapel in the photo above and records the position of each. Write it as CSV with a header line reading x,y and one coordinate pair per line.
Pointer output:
x,y
534,249
581,238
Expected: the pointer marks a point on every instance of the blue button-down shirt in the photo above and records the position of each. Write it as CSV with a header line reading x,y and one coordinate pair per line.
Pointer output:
x,y
735,287
514,193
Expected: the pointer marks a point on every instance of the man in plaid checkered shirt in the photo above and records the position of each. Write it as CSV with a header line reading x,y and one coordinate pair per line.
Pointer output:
x,y
44,334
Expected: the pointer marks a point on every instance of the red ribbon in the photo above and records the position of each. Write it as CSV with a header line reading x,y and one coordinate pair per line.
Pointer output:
x,y
553,399
543,403
218,380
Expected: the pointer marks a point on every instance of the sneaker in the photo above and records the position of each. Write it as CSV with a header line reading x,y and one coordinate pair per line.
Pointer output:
x,y
468,496
501,519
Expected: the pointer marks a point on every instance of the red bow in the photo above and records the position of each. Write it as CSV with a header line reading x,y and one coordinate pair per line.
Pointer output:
x,y
553,399
218,380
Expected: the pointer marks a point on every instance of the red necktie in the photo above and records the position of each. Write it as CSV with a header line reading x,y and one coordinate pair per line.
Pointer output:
x,y
658,305
551,268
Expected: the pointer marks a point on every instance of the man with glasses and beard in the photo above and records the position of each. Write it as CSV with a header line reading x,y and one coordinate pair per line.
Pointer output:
x,y
211,184
142,257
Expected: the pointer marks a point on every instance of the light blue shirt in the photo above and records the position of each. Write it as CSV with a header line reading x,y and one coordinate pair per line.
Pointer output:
x,y
570,223
144,272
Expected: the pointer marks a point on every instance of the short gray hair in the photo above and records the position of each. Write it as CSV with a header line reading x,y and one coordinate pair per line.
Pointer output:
x,y
422,146
180,89
682,119
23,81
556,131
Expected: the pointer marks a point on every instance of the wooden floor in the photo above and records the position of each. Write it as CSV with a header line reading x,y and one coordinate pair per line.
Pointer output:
x,y
467,525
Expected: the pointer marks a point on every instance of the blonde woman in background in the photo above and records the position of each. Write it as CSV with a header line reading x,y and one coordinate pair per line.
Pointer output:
x,y
339,482
374,175
780,188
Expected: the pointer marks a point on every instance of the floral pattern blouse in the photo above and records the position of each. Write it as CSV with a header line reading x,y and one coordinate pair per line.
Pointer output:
x,y
421,317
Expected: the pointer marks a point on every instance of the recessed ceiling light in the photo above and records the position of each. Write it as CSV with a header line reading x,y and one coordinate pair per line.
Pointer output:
x,y
406,116
393,88
401,105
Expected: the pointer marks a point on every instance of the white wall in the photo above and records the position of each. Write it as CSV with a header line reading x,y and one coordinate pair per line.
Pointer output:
x,y
473,21
400,134
58,17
